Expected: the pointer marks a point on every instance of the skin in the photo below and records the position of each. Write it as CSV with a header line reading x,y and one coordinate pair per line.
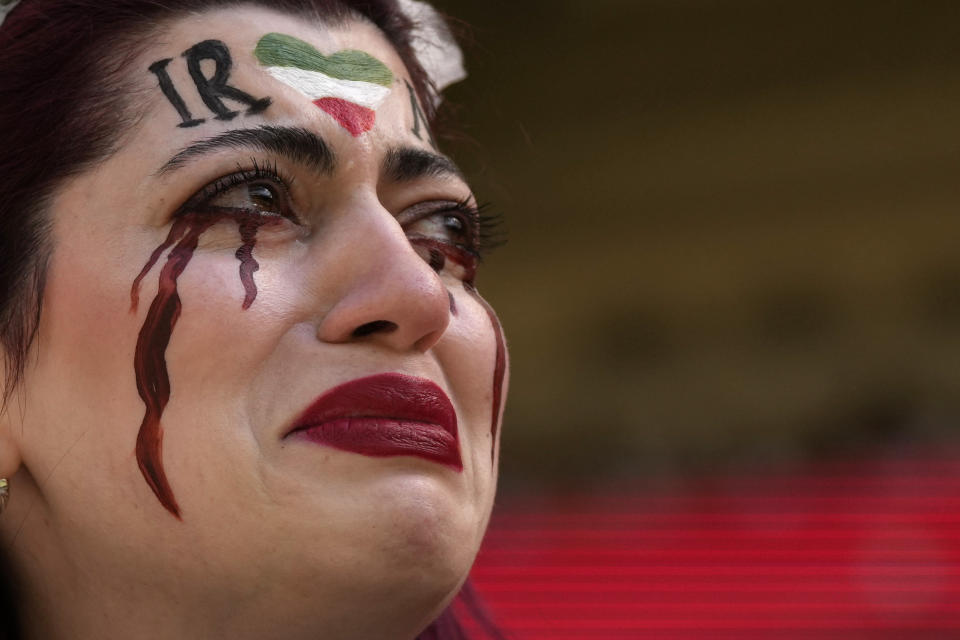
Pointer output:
x,y
279,537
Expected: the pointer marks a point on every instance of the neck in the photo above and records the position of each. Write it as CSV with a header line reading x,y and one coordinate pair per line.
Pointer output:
x,y
83,611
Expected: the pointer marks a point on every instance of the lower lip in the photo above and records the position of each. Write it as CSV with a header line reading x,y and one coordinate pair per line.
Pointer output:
x,y
380,437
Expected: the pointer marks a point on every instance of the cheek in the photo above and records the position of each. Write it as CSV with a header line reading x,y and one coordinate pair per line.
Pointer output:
x,y
87,336
236,296
468,353
81,410
217,356
218,345
468,356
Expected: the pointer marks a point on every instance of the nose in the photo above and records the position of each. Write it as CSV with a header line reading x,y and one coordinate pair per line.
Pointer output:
x,y
384,292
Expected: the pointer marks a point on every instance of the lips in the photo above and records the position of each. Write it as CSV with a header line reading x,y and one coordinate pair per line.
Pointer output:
x,y
385,415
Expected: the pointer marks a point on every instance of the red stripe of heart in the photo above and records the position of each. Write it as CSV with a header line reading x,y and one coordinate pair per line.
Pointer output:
x,y
352,117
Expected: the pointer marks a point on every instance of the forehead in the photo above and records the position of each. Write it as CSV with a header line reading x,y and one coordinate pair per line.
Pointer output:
x,y
208,73
242,26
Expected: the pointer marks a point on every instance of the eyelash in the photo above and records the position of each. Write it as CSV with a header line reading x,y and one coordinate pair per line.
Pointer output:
x,y
486,228
269,172
483,228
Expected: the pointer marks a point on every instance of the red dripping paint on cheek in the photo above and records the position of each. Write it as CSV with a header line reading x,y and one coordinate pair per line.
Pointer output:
x,y
453,305
468,262
437,262
150,365
176,231
500,366
153,382
248,264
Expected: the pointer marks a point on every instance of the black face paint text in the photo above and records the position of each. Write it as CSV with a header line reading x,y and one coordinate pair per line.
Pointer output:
x,y
213,90
419,118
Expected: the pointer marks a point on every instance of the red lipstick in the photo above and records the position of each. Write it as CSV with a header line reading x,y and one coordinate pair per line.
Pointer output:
x,y
389,414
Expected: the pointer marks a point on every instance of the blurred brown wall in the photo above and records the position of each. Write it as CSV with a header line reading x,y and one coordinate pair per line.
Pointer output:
x,y
734,228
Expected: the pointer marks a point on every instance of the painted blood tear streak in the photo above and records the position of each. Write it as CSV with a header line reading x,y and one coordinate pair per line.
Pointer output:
x,y
469,263
150,365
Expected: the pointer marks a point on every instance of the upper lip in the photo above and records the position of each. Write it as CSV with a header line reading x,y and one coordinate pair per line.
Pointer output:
x,y
386,395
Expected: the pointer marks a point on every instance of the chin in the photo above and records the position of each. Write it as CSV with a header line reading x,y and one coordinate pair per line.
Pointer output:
x,y
420,541
398,534
394,549
429,531
408,551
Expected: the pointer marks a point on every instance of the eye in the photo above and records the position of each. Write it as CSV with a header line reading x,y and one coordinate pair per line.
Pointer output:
x,y
261,197
445,234
260,191
449,226
451,236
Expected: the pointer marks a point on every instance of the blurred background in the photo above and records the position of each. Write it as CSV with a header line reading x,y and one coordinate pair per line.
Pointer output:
x,y
734,226
733,250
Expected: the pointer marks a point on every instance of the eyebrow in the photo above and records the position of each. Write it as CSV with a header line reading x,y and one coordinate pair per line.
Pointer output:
x,y
296,144
403,164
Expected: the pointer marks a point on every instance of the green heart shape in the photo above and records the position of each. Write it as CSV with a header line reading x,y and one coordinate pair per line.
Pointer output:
x,y
279,50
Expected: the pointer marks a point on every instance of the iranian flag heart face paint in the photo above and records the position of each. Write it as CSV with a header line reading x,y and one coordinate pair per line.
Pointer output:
x,y
349,85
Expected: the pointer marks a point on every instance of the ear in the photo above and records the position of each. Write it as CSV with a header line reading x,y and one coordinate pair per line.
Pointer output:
x,y
10,452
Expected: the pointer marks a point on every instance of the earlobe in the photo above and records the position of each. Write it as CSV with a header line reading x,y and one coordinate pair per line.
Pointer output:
x,y
10,455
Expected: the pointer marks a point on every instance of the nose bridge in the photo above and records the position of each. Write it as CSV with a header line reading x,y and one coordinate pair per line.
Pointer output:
x,y
386,292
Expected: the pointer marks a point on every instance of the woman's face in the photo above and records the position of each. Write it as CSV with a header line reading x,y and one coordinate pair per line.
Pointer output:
x,y
302,407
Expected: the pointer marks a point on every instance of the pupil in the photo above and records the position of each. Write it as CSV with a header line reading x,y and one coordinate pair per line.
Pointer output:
x,y
262,196
453,223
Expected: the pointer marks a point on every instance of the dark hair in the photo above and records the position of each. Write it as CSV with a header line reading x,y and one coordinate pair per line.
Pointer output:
x,y
64,104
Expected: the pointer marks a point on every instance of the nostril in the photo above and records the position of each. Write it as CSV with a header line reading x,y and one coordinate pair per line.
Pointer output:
x,y
377,326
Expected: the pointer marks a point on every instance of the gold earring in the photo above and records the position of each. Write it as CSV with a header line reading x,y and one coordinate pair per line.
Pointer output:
x,y
4,493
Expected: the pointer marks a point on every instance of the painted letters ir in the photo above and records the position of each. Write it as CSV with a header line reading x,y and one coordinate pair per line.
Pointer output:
x,y
213,89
